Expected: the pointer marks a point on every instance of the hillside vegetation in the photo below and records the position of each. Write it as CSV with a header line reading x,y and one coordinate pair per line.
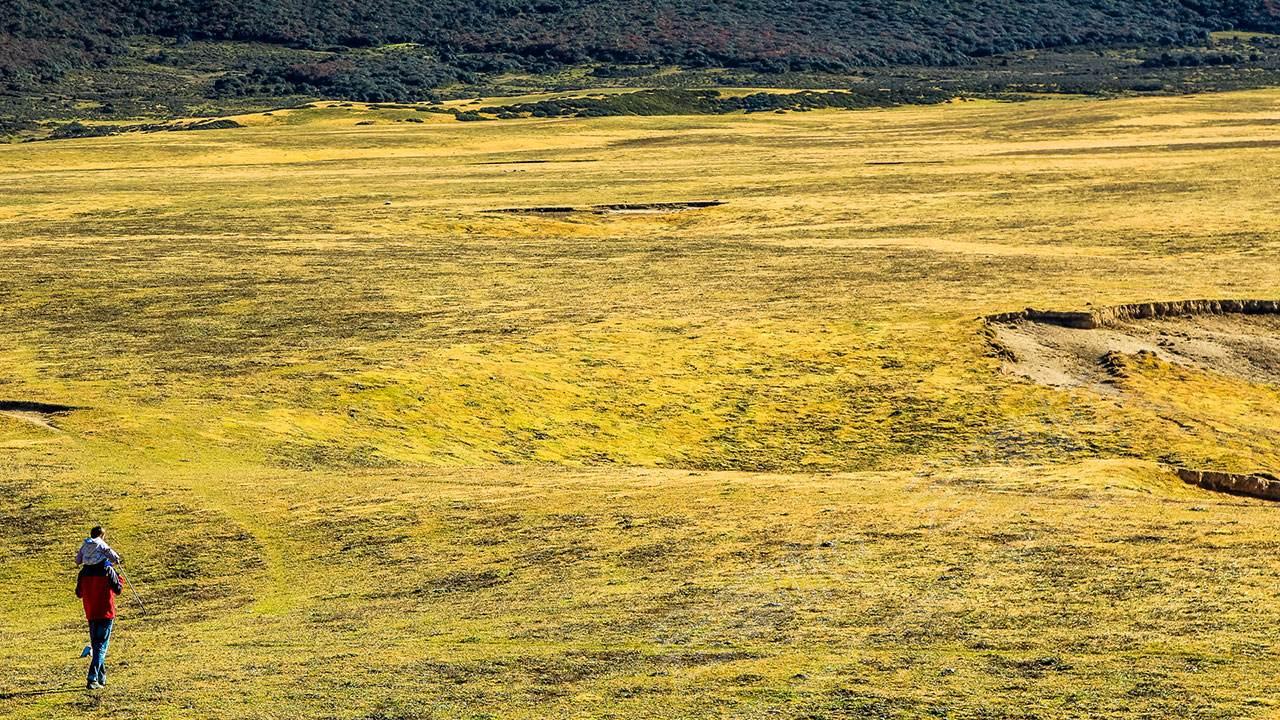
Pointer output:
x,y
376,451
43,38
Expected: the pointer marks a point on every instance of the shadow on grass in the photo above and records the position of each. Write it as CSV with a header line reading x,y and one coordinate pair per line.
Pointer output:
x,y
47,691
37,407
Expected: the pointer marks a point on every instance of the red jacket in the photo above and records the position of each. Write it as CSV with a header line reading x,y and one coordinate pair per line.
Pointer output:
x,y
98,585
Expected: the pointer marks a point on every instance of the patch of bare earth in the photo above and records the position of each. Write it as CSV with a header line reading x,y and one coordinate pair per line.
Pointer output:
x,y
1238,339
35,413
1237,345
654,208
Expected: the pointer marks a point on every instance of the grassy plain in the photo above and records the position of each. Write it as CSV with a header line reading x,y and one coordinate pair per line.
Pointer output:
x,y
374,452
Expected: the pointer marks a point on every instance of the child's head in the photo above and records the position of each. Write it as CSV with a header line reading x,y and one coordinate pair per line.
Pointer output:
x,y
98,532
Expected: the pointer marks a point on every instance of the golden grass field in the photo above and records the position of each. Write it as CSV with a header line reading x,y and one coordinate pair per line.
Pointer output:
x,y
374,452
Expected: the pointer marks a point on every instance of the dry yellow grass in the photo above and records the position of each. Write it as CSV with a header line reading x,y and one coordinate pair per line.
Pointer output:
x,y
418,459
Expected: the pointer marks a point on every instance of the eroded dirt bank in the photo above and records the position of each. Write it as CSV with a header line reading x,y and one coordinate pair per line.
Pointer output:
x,y
1107,316
1258,485
1237,338
1182,360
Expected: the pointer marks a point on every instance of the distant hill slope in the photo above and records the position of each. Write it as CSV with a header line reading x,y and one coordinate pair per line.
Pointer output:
x,y
41,37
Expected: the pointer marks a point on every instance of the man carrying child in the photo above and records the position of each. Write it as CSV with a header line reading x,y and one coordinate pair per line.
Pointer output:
x,y
97,586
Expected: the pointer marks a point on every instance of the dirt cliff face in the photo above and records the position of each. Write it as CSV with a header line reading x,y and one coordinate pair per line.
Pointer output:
x,y
1108,316
1258,485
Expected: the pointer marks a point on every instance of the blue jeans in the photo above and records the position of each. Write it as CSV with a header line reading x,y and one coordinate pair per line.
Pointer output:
x,y
99,638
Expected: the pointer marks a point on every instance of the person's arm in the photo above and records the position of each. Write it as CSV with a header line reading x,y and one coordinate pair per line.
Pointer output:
x,y
115,556
80,555
78,579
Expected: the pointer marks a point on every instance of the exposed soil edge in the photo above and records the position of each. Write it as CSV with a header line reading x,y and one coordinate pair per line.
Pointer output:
x,y
43,408
612,208
534,162
1264,486
1102,317
1260,485
997,348
40,414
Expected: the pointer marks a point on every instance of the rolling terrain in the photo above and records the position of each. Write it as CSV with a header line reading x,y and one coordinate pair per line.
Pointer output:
x,y
395,416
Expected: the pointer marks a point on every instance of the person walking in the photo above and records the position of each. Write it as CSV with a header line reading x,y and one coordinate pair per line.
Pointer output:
x,y
97,586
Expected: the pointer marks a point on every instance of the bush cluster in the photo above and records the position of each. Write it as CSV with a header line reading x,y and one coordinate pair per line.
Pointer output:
x,y
380,77
706,102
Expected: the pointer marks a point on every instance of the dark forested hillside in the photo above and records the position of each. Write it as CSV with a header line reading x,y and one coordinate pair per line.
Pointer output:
x,y
334,48
767,33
